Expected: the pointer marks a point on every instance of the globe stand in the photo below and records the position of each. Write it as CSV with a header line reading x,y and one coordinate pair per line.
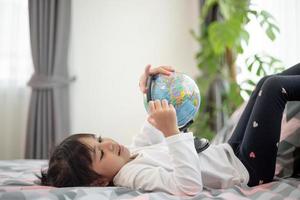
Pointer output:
x,y
200,143
184,129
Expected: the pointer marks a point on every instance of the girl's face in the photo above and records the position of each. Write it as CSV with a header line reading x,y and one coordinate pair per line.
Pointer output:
x,y
108,157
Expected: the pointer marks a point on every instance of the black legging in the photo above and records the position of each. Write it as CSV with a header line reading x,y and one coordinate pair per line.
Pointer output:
x,y
256,136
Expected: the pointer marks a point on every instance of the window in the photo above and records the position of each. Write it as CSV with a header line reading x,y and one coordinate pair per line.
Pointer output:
x,y
15,70
15,57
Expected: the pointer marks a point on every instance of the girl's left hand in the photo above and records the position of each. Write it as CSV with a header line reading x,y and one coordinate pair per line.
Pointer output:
x,y
166,70
163,117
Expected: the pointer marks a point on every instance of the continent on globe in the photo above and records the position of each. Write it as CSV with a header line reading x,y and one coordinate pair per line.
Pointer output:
x,y
178,89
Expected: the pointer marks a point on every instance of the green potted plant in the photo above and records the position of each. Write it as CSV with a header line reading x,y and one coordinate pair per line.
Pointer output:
x,y
222,38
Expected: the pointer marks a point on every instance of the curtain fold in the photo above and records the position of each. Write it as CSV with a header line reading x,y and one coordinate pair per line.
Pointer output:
x,y
48,115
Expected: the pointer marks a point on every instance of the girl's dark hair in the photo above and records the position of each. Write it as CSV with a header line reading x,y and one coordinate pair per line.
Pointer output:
x,y
70,164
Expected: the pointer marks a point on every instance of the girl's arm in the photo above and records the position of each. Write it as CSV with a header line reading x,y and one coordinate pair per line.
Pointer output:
x,y
148,135
185,177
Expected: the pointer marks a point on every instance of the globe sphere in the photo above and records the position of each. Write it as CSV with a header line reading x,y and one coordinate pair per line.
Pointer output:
x,y
178,89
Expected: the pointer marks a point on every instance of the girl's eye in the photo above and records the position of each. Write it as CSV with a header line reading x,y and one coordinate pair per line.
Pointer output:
x,y
101,151
102,154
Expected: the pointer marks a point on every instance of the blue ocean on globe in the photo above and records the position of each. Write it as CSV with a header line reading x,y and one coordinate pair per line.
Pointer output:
x,y
181,91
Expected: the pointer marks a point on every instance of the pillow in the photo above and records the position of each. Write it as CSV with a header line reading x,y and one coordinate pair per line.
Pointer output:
x,y
288,155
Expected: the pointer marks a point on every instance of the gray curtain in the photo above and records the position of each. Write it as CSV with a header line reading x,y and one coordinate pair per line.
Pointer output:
x,y
48,117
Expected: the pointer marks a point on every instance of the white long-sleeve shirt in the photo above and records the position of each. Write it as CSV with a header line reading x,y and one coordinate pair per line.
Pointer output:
x,y
172,165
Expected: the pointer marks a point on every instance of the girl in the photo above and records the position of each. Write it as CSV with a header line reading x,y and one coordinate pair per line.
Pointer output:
x,y
163,159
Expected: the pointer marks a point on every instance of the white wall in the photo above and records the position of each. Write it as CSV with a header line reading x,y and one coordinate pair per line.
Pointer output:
x,y
111,42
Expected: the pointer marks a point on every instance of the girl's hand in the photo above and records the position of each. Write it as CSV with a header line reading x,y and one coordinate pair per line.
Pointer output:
x,y
163,117
166,70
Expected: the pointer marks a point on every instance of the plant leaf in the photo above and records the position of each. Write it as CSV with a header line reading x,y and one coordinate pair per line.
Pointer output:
x,y
266,14
225,9
222,35
245,36
270,33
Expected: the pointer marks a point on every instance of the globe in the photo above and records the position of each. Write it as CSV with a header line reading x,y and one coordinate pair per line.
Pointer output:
x,y
178,89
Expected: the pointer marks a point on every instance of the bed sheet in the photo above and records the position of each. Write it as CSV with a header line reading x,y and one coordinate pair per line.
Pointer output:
x,y
18,181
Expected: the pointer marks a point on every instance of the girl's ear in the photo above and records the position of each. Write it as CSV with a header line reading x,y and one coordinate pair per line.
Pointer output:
x,y
103,182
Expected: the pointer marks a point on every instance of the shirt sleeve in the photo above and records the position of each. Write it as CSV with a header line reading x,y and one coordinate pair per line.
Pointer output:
x,y
148,135
184,179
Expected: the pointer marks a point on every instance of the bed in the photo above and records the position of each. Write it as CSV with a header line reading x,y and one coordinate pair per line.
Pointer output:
x,y
18,177
18,181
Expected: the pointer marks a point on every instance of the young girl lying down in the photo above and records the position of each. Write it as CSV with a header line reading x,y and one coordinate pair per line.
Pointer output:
x,y
163,159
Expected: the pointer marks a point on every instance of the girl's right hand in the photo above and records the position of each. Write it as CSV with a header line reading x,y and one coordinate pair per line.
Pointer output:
x,y
163,117
166,70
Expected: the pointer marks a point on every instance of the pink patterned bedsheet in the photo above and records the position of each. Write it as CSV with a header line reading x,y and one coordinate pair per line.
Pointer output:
x,y
18,181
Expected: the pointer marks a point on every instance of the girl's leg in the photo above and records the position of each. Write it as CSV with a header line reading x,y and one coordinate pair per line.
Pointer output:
x,y
294,70
239,131
258,148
